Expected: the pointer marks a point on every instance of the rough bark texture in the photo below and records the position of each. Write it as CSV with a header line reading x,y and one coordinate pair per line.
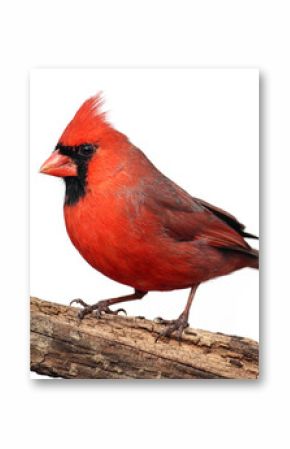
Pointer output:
x,y
118,347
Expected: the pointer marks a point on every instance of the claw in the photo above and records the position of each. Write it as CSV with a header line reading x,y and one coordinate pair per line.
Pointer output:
x,y
121,310
111,312
79,301
161,320
84,312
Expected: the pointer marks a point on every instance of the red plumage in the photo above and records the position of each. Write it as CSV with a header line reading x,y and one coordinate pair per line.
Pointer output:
x,y
133,224
88,123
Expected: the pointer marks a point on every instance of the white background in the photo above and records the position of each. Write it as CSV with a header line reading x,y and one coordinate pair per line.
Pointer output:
x,y
201,128
185,33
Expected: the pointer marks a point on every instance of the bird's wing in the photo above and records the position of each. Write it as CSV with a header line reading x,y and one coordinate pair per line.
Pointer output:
x,y
185,218
227,218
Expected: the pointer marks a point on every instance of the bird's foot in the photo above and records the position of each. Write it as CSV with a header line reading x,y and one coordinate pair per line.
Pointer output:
x,y
177,326
100,308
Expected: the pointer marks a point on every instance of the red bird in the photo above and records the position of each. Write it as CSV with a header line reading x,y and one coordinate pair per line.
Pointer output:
x,y
133,224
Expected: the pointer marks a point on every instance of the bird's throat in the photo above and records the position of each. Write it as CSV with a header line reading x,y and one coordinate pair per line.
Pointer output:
x,y
75,186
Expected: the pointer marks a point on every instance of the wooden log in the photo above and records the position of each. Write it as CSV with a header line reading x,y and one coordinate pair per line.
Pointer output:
x,y
119,347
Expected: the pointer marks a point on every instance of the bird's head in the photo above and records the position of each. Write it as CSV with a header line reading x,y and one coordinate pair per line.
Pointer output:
x,y
79,141
79,147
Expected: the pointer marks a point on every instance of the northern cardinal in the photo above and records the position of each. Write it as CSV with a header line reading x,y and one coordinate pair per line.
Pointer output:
x,y
133,224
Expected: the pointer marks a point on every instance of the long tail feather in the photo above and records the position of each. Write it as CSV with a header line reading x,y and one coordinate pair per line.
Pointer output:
x,y
247,235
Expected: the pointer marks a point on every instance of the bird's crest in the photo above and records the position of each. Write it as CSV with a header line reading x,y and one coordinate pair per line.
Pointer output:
x,y
88,123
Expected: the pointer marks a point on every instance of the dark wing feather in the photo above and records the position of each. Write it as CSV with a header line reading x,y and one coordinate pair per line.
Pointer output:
x,y
227,218
185,218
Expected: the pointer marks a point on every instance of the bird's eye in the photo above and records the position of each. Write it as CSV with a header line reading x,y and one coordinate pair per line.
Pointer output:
x,y
86,149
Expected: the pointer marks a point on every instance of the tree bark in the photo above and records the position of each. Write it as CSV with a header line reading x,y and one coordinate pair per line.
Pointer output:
x,y
118,347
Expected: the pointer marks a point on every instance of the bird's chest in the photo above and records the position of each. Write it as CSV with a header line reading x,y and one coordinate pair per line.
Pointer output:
x,y
111,233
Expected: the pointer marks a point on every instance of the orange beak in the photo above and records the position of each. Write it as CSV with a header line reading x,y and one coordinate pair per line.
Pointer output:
x,y
59,165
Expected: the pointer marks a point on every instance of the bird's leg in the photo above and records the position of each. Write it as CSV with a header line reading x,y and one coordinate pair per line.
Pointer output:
x,y
103,306
182,321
